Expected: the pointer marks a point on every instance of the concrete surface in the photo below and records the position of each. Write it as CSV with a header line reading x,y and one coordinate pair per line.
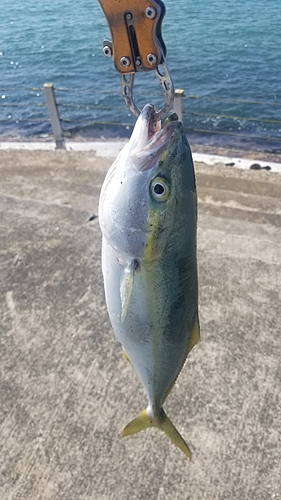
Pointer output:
x,y
67,392
110,149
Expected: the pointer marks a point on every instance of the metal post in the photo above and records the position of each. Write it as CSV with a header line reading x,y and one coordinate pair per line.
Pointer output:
x,y
178,103
54,115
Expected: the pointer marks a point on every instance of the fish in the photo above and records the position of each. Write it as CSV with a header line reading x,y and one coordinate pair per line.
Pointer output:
x,y
148,220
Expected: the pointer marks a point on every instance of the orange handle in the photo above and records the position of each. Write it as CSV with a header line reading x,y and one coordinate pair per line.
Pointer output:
x,y
134,30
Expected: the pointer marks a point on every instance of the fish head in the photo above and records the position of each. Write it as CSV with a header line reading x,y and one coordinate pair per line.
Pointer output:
x,y
149,190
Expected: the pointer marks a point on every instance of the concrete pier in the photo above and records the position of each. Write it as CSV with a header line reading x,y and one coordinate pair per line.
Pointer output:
x,y
66,391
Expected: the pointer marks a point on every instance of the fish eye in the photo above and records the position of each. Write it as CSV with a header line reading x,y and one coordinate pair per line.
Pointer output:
x,y
159,189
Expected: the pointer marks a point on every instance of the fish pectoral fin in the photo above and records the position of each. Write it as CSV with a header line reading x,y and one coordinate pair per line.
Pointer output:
x,y
162,422
126,288
195,335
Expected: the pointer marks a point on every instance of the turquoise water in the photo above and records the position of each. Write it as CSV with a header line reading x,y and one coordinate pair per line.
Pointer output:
x,y
227,54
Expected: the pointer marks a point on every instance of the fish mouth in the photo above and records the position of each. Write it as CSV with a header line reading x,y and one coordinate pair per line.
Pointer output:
x,y
157,136
161,135
152,139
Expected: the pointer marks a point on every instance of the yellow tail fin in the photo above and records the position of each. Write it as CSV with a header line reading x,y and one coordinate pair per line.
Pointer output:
x,y
162,422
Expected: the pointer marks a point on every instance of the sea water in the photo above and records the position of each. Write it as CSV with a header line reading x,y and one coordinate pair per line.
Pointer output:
x,y
225,55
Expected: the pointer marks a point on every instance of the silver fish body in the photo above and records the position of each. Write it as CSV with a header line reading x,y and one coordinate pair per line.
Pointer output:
x,y
148,217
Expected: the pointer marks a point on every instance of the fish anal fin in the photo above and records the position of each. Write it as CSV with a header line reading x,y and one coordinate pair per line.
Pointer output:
x,y
195,336
145,420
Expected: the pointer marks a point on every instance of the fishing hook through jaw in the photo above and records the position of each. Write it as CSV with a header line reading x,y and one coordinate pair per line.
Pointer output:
x,y
164,77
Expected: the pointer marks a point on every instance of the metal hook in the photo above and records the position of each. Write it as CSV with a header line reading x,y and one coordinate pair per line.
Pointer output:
x,y
165,79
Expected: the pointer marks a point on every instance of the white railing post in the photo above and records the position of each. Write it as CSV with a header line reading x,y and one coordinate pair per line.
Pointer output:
x,y
178,103
54,115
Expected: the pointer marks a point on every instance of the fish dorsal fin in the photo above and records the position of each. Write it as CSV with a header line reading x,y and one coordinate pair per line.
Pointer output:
x,y
195,335
126,288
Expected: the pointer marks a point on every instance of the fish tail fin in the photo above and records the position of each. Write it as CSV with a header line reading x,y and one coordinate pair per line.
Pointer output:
x,y
173,434
140,423
145,420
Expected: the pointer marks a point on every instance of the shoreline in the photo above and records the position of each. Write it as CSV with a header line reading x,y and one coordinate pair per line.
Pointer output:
x,y
210,155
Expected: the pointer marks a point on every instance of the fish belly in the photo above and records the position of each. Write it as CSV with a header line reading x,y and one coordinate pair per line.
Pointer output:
x,y
160,311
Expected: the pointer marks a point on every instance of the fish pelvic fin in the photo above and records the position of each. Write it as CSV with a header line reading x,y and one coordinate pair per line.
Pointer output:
x,y
146,419
126,356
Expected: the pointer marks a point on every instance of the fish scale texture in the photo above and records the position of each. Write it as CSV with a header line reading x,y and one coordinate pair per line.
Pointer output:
x,y
66,390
